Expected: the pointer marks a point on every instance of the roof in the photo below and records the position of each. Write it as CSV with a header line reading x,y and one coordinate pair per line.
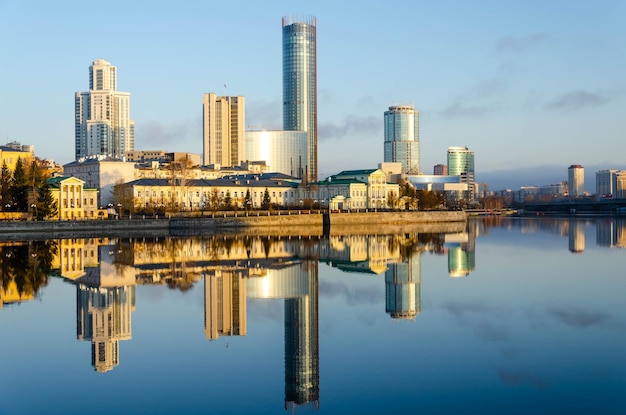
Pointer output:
x,y
11,149
56,181
338,181
355,172
221,182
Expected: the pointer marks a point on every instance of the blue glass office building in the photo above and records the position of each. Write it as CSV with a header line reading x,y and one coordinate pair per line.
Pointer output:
x,y
300,84
402,139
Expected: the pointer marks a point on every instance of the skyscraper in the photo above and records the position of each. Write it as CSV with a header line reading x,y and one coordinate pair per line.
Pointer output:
x,y
102,115
402,139
460,161
224,124
576,180
300,84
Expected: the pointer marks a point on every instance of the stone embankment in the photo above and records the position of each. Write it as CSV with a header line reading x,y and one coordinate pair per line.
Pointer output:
x,y
278,223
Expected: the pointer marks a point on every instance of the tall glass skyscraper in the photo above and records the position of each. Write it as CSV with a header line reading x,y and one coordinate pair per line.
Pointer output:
x,y
300,84
402,138
460,161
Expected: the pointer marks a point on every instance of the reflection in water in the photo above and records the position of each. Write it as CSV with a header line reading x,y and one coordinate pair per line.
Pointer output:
x,y
24,269
462,251
103,317
233,269
576,236
302,364
224,304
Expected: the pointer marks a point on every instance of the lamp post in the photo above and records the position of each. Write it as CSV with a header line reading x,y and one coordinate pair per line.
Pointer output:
x,y
34,207
119,207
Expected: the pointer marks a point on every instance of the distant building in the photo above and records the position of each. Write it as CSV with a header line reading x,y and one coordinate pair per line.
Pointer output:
x,y
9,156
102,174
402,143
440,170
21,147
282,151
102,115
300,84
576,180
223,126
609,183
350,193
460,160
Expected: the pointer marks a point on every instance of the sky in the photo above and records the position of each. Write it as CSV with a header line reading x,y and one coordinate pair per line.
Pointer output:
x,y
530,86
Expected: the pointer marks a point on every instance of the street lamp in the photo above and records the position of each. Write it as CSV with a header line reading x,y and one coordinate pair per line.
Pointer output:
x,y
119,207
34,207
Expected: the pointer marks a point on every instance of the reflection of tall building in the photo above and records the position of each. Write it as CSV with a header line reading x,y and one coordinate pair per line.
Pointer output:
x,y
611,233
104,317
576,236
402,288
462,251
302,345
224,304
105,299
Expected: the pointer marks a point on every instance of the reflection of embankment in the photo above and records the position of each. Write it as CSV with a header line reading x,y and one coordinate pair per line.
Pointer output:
x,y
394,229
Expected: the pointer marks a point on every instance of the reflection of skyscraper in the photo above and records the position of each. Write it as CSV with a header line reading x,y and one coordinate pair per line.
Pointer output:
x,y
402,288
611,233
302,345
104,317
300,84
462,251
576,236
224,304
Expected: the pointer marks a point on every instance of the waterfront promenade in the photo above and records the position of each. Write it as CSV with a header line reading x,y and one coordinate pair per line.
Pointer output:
x,y
278,223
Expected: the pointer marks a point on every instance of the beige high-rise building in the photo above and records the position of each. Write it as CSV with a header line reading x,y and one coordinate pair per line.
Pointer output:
x,y
224,129
102,116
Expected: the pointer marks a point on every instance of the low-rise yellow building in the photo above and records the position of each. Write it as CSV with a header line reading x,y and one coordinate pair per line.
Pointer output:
x,y
73,200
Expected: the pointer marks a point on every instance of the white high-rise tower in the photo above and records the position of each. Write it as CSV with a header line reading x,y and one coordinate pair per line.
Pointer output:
x,y
102,115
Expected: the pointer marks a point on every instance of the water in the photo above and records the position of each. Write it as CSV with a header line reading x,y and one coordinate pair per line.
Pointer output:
x,y
511,316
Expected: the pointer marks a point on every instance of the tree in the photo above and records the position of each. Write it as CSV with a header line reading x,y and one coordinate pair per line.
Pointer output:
x,y
247,202
228,201
122,198
392,199
5,185
45,204
267,201
214,200
19,188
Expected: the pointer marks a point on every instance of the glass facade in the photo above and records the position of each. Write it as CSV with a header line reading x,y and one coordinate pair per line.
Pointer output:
x,y
300,84
402,143
460,160
283,151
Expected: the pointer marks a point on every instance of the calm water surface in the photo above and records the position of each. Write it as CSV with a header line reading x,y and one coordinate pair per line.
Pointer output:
x,y
504,316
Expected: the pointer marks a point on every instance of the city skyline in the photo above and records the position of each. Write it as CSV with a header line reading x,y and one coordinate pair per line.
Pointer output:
x,y
509,83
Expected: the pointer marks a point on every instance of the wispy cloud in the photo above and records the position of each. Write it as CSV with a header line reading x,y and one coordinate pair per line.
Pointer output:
x,y
153,134
519,43
521,377
579,318
576,100
267,115
352,124
353,296
459,110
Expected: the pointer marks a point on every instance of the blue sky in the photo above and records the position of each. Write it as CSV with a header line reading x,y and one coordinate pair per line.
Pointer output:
x,y
529,85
